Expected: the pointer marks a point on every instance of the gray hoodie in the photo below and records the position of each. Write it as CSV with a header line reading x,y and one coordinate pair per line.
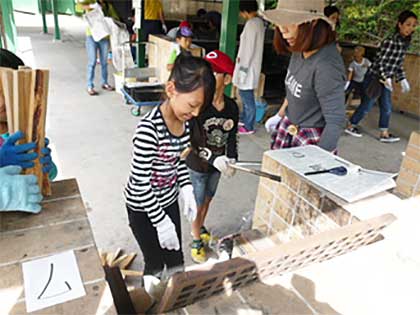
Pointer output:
x,y
315,92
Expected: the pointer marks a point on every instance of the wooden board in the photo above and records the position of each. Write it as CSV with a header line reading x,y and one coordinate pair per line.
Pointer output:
x,y
204,281
6,76
35,130
61,225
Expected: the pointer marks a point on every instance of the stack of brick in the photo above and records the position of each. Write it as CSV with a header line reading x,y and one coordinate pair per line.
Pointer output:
x,y
408,182
294,208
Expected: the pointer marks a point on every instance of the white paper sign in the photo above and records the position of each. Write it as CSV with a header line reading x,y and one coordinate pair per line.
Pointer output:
x,y
51,280
357,184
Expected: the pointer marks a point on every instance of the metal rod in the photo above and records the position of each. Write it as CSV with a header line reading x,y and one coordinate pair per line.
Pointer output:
x,y
257,172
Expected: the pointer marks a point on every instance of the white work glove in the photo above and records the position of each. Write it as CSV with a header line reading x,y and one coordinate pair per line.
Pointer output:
x,y
346,86
388,84
168,239
272,122
164,28
222,165
190,206
405,86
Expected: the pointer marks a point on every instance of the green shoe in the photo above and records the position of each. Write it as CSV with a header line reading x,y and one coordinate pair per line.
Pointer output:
x,y
198,252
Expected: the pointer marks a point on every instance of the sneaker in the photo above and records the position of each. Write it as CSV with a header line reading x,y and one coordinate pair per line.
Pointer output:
x,y
198,252
243,131
389,139
241,124
205,235
108,87
353,131
92,92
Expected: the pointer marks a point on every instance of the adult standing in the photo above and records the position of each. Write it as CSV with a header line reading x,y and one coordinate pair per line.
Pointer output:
x,y
101,46
248,62
315,78
154,19
378,81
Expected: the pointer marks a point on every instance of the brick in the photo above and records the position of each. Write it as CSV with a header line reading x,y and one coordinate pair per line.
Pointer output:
x,y
413,152
411,164
415,138
405,190
408,178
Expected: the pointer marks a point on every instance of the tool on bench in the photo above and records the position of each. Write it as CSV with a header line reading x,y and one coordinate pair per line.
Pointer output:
x,y
339,171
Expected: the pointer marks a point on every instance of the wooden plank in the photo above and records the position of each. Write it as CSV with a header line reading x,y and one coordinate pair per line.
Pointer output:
x,y
36,123
131,273
117,261
52,213
98,300
63,189
119,291
127,261
11,276
7,84
17,246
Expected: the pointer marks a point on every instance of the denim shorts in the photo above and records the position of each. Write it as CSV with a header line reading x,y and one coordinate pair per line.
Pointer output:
x,y
205,185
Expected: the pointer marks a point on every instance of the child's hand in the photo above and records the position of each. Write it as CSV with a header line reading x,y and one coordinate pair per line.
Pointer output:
x,y
168,239
190,206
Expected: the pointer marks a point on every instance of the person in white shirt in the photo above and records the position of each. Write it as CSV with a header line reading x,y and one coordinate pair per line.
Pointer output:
x,y
248,63
357,70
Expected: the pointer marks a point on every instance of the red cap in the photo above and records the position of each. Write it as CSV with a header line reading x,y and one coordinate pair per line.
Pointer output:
x,y
185,24
220,62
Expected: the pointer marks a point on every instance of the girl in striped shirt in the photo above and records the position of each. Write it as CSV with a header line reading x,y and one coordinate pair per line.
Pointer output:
x,y
157,171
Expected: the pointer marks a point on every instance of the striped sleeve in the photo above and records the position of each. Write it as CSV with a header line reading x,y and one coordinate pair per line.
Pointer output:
x,y
183,175
145,150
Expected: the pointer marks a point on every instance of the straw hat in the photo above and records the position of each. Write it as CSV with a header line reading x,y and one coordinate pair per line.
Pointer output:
x,y
296,12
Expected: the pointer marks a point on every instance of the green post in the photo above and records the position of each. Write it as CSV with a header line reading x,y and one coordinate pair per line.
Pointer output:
x,y
10,33
42,6
229,31
57,34
141,48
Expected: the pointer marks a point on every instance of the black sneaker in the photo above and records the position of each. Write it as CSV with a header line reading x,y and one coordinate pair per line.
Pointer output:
x,y
389,139
353,131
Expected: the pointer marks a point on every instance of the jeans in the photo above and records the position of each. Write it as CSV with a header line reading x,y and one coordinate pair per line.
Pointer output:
x,y
156,258
249,110
205,185
385,105
92,47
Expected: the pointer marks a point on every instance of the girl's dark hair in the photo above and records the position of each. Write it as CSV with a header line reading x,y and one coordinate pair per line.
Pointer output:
x,y
404,15
330,10
248,6
190,73
311,35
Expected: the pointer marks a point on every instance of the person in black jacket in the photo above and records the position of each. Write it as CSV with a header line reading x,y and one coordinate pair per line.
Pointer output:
x,y
217,128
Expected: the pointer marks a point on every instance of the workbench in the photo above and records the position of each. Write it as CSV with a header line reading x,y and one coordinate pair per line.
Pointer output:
x,y
62,225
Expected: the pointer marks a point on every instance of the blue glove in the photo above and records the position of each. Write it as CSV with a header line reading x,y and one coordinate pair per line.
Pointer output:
x,y
46,159
16,154
18,192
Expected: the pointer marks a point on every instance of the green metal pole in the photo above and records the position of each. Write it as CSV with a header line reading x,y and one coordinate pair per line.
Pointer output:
x,y
140,48
57,34
10,32
42,5
229,31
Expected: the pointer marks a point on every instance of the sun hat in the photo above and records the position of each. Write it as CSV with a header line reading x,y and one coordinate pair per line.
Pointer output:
x,y
296,12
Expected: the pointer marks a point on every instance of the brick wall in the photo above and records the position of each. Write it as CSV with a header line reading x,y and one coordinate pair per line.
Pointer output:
x,y
294,208
408,181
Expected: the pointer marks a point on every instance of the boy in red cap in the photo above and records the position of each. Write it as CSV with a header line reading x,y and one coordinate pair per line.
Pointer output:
x,y
214,144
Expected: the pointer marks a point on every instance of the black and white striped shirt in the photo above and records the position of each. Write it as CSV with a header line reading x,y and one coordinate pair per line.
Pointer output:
x,y
156,167
390,57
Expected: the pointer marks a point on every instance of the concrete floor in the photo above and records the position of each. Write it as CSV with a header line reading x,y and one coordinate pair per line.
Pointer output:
x,y
91,138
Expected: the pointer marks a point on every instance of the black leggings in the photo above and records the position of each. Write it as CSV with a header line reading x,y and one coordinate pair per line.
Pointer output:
x,y
155,258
